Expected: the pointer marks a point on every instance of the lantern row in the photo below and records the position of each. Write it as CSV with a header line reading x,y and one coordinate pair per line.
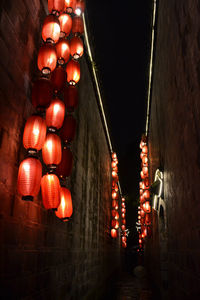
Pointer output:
x,y
144,210
123,227
55,93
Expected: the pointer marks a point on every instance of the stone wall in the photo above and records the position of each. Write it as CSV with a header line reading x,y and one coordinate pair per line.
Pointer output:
x,y
174,143
40,256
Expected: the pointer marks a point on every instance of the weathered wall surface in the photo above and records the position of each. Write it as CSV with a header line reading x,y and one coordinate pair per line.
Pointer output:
x,y
174,141
40,256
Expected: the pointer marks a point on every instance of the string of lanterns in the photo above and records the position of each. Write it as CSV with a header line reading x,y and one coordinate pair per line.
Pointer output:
x,y
123,227
144,210
55,97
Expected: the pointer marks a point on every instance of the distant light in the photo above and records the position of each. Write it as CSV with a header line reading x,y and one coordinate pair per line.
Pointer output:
x,y
78,11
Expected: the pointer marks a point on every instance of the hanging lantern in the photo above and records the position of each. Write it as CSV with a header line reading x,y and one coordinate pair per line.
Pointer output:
x,y
65,208
64,169
79,7
113,233
145,171
70,6
145,159
51,151
124,238
42,93
142,175
116,216
145,184
70,97
51,29
124,221
142,213
63,51
56,6
123,205
146,194
55,114
115,224
146,207
34,134
115,186
114,203
123,199
65,25
124,245
123,227
73,72
114,195
77,25
113,164
29,178
76,47
114,156
68,130
58,78
145,149
123,215
114,174
148,219
50,187
123,210
47,58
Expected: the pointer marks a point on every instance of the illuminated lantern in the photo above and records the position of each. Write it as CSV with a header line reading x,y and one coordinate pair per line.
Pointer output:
x,y
51,29
64,169
73,72
140,241
123,215
70,97
123,199
124,221
145,149
124,245
63,51
146,207
148,219
145,159
141,192
116,216
114,203
29,178
142,154
34,134
124,238
142,213
47,58
56,6
123,227
70,5
68,130
58,78
142,175
115,169
113,213
55,114
145,184
52,151
123,205
79,7
114,174
42,93
115,224
65,25
123,210
145,171
65,208
114,195
77,25
113,164
76,47
144,233
116,206
115,186
114,156
146,194
113,233
50,187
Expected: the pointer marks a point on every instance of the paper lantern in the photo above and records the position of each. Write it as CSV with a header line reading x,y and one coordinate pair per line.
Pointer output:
x,y
56,6
146,207
73,72
65,208
52,151
79,7
123,215
123,227
146,194
63,51
65,25
70,5
113,233
55,114
51,29
68,130
124,238
64,169
124,221
47,58
77,25
58,78
123,199
50,187
114,195
148,219
29,178
70,97
34,134
42,93
145,149
114,156
76,47
115,224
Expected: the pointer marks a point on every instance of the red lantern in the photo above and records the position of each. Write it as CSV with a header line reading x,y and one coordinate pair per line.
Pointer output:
x,y
47,58
123,215
124,238
146,194
123,205
58,78
123,210
55,114
114,195
146,207
80,7
50,187
71,97
116,216
29,178
142,213
148,219
115,224
113,233
145,159
51,151
77,25
68,130
70,5
65,208
65,25
145,184
123,199
145,171
113,164
114,174
114,203
73,72
76,47
51,29
114,156
124,221
42,93
123,227
63,51
124,245
142,175
34,133
64,169
145,149
56,6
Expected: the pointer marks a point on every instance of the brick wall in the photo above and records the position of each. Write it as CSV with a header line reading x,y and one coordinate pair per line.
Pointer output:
x,y
174,142
41,257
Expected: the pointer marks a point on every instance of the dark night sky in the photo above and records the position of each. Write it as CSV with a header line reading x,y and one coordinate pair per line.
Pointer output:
x,y
120,33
